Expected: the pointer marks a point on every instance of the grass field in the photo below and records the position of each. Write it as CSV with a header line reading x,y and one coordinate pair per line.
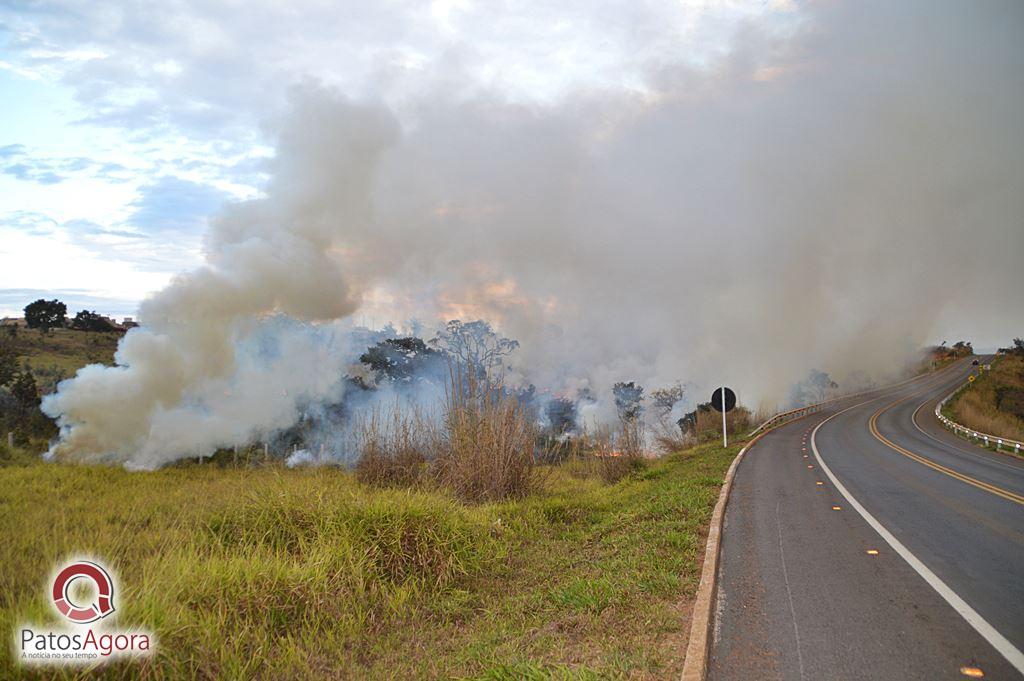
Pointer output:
x,y
278,573
993,403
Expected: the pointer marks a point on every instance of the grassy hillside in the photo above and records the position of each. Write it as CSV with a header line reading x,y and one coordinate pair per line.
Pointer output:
x,y
994,403
282,573
58,354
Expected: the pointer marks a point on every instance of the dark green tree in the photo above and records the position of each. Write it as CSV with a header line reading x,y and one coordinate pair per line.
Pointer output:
x,y
8,364
90,321
628,400
45,314
404,360
25,392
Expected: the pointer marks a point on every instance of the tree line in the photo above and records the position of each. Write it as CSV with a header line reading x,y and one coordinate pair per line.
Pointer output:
x,y
52,314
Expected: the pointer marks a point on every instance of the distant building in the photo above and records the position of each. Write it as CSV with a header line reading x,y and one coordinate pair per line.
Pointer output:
x,y
129,323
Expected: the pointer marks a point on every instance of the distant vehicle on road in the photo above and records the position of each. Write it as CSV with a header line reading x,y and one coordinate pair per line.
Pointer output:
x,y
975,362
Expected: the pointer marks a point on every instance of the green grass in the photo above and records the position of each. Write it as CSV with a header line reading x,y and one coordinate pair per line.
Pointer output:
x,y
278,573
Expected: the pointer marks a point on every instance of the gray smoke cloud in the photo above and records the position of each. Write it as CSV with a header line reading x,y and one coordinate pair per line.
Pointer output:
x,y
831,199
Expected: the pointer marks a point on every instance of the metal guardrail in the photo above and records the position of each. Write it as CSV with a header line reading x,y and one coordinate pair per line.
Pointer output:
x,y
811,408
786,416
970,432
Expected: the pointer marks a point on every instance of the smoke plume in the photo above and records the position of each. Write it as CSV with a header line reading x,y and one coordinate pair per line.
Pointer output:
x,y
833,198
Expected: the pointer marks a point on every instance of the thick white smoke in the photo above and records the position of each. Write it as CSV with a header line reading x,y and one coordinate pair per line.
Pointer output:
x,y
829,200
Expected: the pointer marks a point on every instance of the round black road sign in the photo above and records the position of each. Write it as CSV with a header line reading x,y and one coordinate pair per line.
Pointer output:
x,y
730,399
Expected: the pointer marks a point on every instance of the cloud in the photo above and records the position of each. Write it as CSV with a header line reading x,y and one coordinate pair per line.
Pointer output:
x,y
190,67
171,204
19,162
10,150
33,173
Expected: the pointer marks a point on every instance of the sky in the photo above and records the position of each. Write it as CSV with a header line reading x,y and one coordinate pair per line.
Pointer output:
x,y
126,125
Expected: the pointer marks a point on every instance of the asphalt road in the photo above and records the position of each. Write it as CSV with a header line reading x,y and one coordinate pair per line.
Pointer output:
x,y
799,595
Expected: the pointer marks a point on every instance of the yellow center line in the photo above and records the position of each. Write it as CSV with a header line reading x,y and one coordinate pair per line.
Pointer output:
x,y
873,425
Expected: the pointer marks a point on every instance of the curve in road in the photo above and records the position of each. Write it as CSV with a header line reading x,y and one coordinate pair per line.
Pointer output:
x,y
832,531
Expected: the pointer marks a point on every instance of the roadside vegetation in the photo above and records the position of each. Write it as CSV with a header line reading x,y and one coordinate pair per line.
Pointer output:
x,y
994,402
285,573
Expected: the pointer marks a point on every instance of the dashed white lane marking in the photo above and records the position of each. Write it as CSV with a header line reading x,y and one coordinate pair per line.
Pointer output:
x,y
1012,654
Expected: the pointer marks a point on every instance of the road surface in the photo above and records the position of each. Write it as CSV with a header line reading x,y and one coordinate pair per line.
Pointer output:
x,y
803,596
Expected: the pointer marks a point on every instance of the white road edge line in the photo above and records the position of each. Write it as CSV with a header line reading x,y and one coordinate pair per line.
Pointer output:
x,y
1012,654
789,592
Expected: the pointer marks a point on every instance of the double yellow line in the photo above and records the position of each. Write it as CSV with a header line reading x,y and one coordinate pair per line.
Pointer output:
x,y
998,491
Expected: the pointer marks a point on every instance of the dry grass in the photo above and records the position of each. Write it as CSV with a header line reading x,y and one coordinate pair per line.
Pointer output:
x,y
609,454
668,437
395,446
481,450
985,405
487,442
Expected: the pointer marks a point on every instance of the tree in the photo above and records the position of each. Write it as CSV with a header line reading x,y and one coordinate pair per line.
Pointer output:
x,y
688,423
403,359
665,399
8,363
476,345
561,415
628,398
815,388
45,314
25,392
90,321
962,348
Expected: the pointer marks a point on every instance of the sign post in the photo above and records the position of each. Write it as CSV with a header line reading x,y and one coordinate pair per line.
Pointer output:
x,y
723,400
725,431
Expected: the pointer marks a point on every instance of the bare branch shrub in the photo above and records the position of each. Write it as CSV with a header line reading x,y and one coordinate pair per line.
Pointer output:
x,y
486,450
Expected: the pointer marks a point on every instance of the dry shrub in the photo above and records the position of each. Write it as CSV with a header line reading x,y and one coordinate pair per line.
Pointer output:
x,y
487,443
394,447
709,423
990,404
669,438
611,454
978,411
